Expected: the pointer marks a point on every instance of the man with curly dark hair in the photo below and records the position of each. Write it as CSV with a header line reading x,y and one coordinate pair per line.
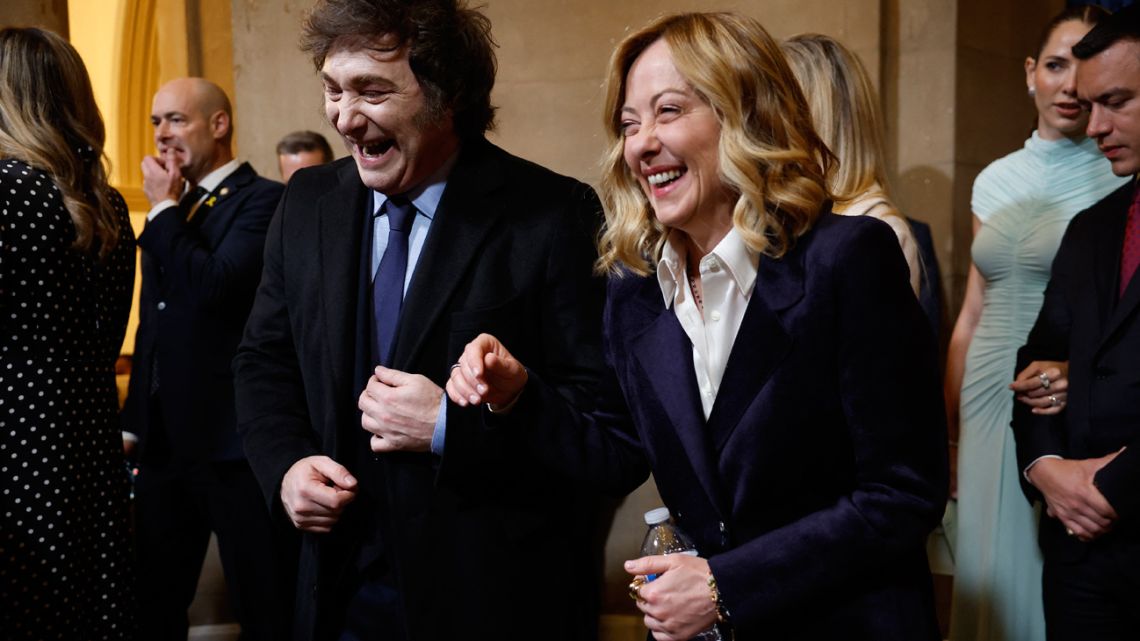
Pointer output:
x,y
419,521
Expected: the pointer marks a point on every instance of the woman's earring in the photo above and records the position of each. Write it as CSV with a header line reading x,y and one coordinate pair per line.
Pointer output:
x,y
1032,91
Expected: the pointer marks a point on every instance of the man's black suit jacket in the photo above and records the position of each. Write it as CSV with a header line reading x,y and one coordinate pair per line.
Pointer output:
x,y
1082,321
198,282
484,542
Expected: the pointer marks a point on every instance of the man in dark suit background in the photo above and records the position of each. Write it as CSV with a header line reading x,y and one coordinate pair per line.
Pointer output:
x,y
419,522
202,248
1085,462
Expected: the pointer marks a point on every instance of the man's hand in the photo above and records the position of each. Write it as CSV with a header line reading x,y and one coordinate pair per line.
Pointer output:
x,y
486,373
676,604
400,410
1071,497
1030,386
162,178
315,491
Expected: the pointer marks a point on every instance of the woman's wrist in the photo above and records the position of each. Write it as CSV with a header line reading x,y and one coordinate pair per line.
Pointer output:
x,y
722,614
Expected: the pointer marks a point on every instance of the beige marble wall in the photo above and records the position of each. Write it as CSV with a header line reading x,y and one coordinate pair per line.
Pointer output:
x,y
552,61
919,106
276,89
49,14
954,97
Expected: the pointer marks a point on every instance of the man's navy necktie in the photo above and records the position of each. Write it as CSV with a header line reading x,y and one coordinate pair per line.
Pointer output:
x,y
388,286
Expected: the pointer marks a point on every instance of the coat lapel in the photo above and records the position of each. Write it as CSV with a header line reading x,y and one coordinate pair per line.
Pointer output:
x,y
466,213
761,343
666,355
213,217
341,214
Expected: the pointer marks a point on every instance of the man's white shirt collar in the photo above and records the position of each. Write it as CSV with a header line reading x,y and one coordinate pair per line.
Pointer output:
x,y
215,178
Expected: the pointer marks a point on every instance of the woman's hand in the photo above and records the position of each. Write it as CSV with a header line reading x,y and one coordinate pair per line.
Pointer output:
x,y
1044,386
677,604
486,373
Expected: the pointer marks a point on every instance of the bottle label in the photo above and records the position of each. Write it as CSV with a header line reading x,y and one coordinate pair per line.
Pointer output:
x,y
650,577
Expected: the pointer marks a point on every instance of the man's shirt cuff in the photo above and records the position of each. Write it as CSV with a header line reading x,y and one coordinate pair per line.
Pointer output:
x,y
1025,472
160,207
440,432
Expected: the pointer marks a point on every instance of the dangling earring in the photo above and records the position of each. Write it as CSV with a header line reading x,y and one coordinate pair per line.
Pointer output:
x,y
1032,91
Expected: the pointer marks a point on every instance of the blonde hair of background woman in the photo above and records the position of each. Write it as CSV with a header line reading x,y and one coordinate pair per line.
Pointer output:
x,y
769,153
846,114
49,120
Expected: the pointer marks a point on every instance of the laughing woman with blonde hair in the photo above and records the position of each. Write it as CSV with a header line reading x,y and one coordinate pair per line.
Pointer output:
x,y
767,357
66,269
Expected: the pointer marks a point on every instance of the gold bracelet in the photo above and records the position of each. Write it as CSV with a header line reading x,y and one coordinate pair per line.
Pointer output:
x,y
722,615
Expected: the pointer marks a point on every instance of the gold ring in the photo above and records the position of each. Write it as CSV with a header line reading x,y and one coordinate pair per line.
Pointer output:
x,y
635,589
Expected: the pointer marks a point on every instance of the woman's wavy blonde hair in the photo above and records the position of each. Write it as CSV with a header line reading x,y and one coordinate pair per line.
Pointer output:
x,y
845,111
768,152
49,120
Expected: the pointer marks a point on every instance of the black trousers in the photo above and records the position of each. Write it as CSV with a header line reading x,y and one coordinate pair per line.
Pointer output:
x,y
177,506
1095,597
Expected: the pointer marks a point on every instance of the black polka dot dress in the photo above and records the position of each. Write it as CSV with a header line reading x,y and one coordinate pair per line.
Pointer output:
x,y
65,557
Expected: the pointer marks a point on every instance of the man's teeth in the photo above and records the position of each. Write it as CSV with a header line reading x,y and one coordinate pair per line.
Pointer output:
x,y
664,177
374,150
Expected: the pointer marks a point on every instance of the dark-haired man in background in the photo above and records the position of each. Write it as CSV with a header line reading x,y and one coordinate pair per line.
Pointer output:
x,y
420,522
300,149
1085,462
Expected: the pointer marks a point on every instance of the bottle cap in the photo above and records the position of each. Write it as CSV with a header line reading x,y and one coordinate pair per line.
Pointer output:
x,y
657,515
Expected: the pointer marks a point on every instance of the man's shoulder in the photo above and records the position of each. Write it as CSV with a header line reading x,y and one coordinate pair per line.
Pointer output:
x,y
263,184
522,173
245,177
1106,211
324,177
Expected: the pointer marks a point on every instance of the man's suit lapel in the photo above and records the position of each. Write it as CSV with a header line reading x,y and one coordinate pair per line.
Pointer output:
x,y
666,356
341,214
466,213
760,345
214,216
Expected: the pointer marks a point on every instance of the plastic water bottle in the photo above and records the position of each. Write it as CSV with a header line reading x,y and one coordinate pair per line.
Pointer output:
x,y
664,537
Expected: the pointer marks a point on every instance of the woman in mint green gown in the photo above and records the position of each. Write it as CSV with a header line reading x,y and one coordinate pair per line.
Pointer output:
x,y
1022,204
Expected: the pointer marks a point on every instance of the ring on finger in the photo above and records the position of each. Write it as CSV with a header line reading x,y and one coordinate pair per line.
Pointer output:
x,y
1054,401
1070,531
635,589
453,367
1045,382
